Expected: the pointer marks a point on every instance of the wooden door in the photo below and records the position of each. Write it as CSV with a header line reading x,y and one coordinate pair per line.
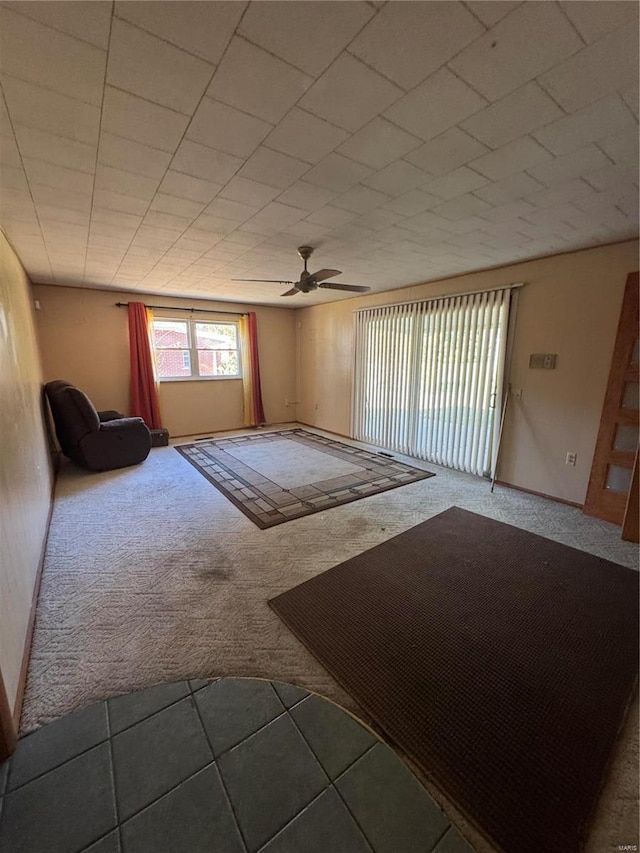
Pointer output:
x,y
613,462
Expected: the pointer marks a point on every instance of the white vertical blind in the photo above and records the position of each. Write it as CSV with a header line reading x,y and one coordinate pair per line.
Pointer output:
x,y
429,378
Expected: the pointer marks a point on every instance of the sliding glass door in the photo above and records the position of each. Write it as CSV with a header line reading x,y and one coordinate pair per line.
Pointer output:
x,y
429,378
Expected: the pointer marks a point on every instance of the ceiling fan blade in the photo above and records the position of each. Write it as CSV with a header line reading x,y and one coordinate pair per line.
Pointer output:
x,y
291,292
322,274
269,280
355,288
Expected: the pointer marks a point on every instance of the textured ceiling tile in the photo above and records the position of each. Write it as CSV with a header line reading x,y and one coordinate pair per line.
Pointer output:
x,y
491,11
306,196
451,149
621,147
278,215
176,205
146,66
394,41
398,178
235,211
530,40
132,156
331,216
51,175
64,198
513,157
513,116
461,207
119,201
133,118
378,219
337,173
607,66
54,113
378,144
457,182
55,149
119,181
508,189
249,192
570,166
412,203
349,94
163,219
435,105
188,187
305,136
14,178
594,20
89,22
46,57
202,28
597,121
360,199
272,168
227,129
308,35
200,161
256,82
570,191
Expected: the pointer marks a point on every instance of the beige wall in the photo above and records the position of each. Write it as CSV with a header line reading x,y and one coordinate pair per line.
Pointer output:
x,y
84,338
25,474
570,306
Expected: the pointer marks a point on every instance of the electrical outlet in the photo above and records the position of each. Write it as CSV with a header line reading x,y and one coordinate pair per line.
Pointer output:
x,y
517,394
571,459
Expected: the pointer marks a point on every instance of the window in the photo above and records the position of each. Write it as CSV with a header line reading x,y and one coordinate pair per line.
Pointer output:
x,y
187,349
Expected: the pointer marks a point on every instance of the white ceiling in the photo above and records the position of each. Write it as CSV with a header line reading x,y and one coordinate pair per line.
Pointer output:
x,y
169,147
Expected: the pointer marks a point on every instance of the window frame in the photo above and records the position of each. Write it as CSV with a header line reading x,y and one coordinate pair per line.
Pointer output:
x,y
192,348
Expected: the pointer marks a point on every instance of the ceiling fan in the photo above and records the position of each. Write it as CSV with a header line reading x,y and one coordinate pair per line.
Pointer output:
x,y
311,281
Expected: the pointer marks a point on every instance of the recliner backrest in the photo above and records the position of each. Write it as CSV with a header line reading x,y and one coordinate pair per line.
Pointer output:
x,y
73,413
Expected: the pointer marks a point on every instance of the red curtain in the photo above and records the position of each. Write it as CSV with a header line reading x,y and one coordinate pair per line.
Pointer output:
x,y
143,391
256,391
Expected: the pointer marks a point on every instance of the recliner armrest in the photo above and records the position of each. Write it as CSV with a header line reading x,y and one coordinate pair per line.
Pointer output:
x,y
109,415
119,423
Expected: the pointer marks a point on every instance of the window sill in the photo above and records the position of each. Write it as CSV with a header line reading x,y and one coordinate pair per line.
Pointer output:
x,y
199,379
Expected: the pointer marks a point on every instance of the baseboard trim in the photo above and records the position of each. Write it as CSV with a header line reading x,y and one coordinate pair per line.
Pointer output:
x,y
539,494
26,654
330,431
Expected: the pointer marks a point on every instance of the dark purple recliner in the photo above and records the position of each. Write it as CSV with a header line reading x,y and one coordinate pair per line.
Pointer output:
x,y
99,441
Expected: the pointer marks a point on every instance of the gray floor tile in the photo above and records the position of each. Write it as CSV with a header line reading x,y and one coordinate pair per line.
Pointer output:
x,y
193,818
109,844
335,737
323,827
125,711
57,742
4,769
157,754
270,777
199,683
64,810
234,708
453,842
391,807
289,693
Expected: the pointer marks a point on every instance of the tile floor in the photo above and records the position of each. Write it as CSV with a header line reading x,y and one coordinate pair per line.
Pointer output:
x,y
233,765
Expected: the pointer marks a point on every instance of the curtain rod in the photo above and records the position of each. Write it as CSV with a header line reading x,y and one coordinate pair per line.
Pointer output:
x,y
190,310
442,296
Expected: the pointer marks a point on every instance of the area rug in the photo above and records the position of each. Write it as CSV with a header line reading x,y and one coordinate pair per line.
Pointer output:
x,y
500,661
275,477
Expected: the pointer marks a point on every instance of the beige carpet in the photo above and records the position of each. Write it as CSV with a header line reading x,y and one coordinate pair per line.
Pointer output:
x,y
152,575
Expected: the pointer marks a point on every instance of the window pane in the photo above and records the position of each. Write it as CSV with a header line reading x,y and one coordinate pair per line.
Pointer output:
x,y
216,336
170,334
626,437
218,362
630,399
619,479
173,363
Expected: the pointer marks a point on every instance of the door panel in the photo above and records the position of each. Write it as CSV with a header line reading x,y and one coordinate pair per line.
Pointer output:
x,y
616,448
